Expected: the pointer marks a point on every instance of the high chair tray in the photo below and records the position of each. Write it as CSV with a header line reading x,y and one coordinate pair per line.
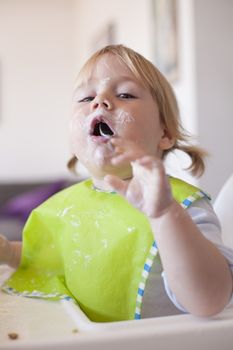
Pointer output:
x,y
36,324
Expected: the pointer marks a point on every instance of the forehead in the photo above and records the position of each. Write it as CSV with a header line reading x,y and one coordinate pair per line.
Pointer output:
x,y
104,68
110,65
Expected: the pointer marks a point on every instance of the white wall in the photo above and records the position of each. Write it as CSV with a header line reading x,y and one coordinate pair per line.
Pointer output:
x,y
214,74
45,42
132,23
185,86
37,61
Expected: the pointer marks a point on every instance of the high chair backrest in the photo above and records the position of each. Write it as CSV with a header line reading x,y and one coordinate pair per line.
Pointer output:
x,y
223,206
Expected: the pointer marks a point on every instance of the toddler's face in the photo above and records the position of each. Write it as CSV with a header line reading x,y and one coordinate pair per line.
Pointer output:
x,y
112,103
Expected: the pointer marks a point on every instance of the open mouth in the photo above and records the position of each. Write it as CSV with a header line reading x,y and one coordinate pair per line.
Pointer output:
x,y
102,129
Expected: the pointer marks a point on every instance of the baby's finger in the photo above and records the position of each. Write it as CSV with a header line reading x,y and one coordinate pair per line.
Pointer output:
x,y
126,145
4,249
154,165
127,157
142,173
117,141
121,159
119,150
149,162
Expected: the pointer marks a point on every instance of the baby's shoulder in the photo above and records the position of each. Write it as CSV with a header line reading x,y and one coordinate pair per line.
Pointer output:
x,y
186,193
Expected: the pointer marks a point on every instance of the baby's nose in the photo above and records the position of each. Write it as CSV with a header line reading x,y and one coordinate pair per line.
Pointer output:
x,y
101,102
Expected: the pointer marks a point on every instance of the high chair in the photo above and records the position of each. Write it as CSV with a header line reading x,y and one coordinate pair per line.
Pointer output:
x,y
223,206
41,324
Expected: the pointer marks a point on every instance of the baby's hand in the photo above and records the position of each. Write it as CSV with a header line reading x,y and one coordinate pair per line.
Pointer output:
x,y
10,252
125,151
149,189
4,250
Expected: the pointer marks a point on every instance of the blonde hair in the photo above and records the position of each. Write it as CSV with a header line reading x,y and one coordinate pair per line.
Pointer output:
x,y
162,93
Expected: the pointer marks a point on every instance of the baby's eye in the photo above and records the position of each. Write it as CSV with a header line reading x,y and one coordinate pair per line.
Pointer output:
x,y
126,96
86,99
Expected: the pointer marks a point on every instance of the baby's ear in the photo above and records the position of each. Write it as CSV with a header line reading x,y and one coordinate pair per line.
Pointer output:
x,y
167,141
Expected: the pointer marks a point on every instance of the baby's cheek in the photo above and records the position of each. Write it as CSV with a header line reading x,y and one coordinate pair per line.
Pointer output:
x,y
75,136
123,119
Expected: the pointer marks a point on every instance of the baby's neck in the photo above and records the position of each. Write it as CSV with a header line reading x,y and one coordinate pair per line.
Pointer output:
x,y
101,185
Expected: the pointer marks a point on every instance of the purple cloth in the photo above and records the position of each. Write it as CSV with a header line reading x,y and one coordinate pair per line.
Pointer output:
x,y
21,205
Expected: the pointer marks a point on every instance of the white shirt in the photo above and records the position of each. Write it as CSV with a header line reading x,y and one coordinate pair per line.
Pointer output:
x,y
157,304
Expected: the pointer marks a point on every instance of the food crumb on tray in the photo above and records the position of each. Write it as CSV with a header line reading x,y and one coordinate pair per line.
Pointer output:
x,y
13,335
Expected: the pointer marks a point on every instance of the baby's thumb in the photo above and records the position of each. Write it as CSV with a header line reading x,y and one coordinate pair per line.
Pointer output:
x,y
116,184
4,249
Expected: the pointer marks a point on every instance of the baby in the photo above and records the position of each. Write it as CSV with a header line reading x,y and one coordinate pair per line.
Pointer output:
x,y
106,241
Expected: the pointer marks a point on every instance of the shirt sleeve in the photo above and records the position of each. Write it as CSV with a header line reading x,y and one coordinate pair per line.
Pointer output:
x,y
203,215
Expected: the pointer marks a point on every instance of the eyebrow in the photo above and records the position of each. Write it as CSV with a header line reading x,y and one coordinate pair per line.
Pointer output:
x,y
122,79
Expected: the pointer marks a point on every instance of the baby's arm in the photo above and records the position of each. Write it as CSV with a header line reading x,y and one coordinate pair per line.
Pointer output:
x,y
10,252
198,274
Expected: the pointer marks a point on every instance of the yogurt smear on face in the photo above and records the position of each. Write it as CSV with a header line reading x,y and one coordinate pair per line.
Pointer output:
x,y
103,152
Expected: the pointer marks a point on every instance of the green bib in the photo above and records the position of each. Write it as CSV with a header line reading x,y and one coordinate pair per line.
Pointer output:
x,y
93,247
